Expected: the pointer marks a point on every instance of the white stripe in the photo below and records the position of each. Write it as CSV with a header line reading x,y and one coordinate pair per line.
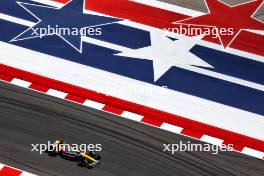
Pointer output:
x,y
174,102
16,20
253,152
20,82
171,128
93,104
26,22
1,166
132,116
50,2
56,93
27,174
211,140
260,32
170,7
104,44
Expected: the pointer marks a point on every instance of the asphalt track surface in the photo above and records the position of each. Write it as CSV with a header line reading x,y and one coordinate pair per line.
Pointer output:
x,y
129,148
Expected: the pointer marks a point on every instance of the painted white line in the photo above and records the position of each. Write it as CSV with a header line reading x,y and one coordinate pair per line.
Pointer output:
x,y
260,32
1,166
252,152
170,7
49,2
132,116
16,20
171,128
56,93
93,104
211,140
104,44
20,83
27,174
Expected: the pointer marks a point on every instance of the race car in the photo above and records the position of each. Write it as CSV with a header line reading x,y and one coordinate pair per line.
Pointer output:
x,y
89,160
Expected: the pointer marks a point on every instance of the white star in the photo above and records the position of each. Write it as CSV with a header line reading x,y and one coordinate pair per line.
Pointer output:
x,y
166,53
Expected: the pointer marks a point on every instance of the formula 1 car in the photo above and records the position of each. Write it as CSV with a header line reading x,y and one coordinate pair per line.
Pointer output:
x,y
89,160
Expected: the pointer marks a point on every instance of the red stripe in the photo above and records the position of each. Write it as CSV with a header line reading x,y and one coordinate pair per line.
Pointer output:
x,y
249,42
38,88
61,1
158,115
7,171
191,133
113,110
160,18
136,12
6,78
235,146
75,98
152,121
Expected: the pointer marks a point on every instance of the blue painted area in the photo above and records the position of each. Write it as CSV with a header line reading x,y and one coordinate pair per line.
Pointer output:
x,y
12,8
176,79
124,36
69,16
232,65
214,89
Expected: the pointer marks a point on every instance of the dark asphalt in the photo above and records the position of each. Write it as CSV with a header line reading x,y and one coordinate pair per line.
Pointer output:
x,y
129,148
